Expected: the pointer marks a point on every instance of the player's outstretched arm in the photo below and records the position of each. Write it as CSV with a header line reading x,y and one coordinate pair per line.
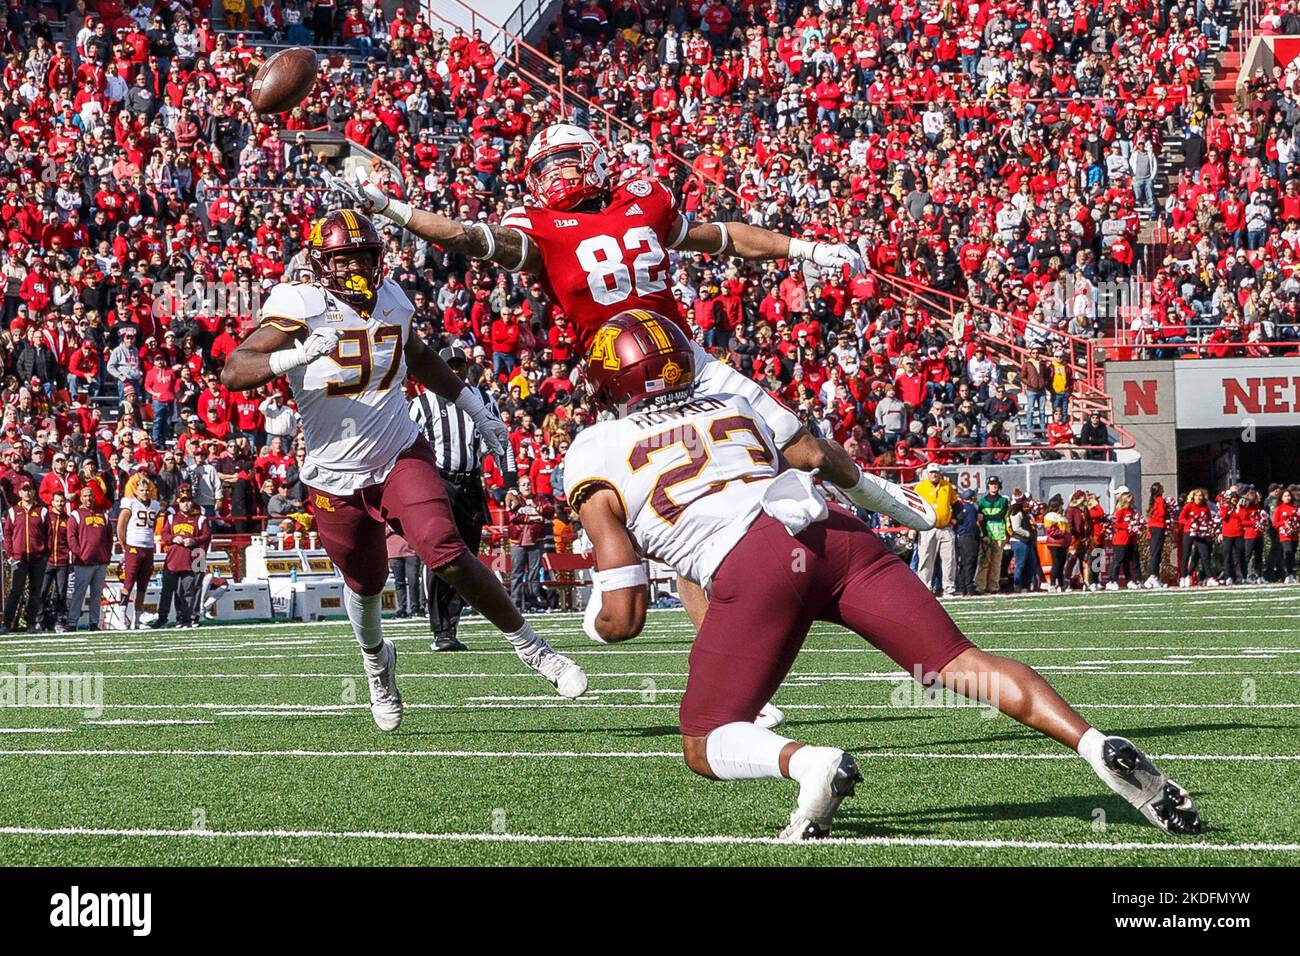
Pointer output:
x,y
754,243
506,247
270,352
619,583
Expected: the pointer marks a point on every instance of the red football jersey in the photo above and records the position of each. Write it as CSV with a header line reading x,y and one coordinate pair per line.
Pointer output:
x,y
598,264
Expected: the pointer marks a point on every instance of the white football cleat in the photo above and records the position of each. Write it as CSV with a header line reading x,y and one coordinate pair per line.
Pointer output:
x,y
820,795
568,679
1185,582
1212,583
1131,774
770,716
1112,586
1151,583
1133,586
381,673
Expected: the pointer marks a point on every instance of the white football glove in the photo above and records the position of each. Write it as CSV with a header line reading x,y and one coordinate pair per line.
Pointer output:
x,y
494,431
320,343
369,196
835,256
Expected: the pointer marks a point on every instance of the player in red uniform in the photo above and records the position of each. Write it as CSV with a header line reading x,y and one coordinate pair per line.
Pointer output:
x,y
600,250
690,476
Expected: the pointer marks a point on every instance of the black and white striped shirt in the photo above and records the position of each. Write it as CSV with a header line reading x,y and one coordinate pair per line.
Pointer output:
x,y
456,442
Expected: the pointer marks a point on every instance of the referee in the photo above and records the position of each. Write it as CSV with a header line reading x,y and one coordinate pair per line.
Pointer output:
x,y
460,450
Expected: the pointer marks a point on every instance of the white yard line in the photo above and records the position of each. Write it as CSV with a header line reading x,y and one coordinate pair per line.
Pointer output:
x,y
36,730
601,755
650,839
144,723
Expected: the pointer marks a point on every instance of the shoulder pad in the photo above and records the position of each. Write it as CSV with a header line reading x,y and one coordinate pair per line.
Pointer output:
x,y
518,217
291,304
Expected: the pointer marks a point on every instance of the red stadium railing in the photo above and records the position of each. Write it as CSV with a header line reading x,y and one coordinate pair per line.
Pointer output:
x,y
533,65
1088,394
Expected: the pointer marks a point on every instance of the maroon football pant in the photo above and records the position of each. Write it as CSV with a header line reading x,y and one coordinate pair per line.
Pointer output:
x,y
772,587
412,499
137,568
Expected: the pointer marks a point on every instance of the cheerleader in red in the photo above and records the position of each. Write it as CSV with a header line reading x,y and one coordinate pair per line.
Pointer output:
x,y
1254,529
1162,514
1286,518
1196,524
1232,551
1127,525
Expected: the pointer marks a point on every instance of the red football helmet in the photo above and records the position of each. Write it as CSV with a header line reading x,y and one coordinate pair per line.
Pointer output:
x,y
565,167
346,231
639,358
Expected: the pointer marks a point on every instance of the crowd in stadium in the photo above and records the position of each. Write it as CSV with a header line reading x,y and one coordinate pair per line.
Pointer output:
x,y
1004,156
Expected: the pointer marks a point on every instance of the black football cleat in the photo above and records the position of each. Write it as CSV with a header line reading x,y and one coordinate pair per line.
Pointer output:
x,y
1132,775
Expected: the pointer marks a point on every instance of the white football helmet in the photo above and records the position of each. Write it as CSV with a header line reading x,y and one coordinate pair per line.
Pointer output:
x,y
553,155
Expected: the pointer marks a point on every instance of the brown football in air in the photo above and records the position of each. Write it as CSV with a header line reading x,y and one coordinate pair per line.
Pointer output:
x,y
284,80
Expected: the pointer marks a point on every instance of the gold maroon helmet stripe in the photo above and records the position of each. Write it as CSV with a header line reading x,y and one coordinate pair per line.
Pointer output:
x,y
657,333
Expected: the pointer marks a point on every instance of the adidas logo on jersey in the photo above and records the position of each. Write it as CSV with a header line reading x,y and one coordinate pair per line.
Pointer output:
x,y
561,223
633,210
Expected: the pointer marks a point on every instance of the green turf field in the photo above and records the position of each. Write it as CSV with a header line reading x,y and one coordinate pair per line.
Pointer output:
x,y
254,745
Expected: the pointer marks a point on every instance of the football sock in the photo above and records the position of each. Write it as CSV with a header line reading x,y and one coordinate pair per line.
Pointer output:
x,y
364,613
741,751
525,641
1090,749
132,616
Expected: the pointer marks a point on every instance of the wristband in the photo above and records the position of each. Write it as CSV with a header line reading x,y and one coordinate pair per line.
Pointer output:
x,y
801,249
398,211
489,238
615,579
726,237
590,613
286,359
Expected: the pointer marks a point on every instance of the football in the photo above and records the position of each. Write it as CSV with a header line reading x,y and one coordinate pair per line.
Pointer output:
x,y
284,80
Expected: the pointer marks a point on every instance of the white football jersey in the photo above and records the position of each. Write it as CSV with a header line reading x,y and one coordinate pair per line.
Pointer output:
x,y
141,523
352,405
691,478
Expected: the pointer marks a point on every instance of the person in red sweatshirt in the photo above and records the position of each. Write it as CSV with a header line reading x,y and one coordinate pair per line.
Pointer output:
x,y
26,545
90,542
1162,514
1232,546
54,583
1196,525
185,538
1286,518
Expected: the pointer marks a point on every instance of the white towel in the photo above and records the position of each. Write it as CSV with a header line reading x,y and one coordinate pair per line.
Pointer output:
x,y
792,500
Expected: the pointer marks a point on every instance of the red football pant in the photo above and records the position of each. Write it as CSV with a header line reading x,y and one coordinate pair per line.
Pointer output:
x,y
772,587
412,499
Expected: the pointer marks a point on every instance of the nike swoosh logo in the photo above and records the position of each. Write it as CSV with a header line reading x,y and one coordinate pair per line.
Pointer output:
x,y
388,311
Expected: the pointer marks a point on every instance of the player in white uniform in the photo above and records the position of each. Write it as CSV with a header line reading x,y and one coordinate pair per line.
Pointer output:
x,y
694,480
346,345
135,529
